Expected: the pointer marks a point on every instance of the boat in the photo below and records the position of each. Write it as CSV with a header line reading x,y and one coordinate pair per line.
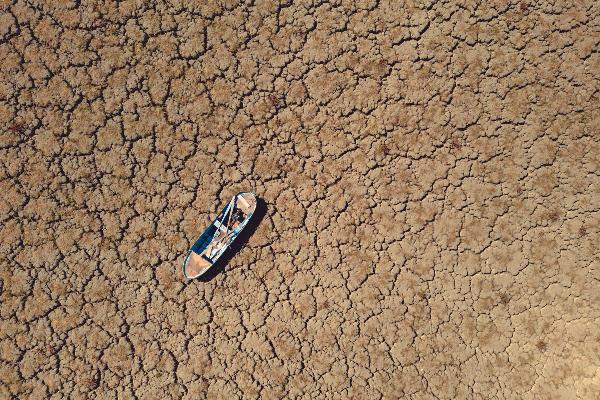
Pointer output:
x,y
219,235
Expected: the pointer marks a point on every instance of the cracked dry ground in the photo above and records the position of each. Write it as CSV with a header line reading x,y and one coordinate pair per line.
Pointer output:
x,y
430,171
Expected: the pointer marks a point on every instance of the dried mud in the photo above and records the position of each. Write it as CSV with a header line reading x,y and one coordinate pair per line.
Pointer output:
x,y
430,171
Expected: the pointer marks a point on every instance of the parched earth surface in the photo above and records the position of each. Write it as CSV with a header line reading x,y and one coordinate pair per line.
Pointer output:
x,y
431,175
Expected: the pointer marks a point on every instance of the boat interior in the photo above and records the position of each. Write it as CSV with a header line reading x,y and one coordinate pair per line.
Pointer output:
x,y
245,204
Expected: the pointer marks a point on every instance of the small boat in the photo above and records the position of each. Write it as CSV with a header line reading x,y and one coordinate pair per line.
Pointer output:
x,y
219,235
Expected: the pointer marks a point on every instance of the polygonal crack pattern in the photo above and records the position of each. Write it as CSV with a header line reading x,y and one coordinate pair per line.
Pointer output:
x,y
431,178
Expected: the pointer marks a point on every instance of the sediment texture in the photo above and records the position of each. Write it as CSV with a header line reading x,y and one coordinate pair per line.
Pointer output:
x,y
431,176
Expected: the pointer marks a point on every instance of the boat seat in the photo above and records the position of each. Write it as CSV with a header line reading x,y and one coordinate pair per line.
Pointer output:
x,y
243,204
219,225
244,201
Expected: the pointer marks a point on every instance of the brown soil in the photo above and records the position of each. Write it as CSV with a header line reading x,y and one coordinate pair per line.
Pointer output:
x,y
432,182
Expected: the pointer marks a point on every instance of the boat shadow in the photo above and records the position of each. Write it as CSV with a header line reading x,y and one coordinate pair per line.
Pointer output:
x,y
238,243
